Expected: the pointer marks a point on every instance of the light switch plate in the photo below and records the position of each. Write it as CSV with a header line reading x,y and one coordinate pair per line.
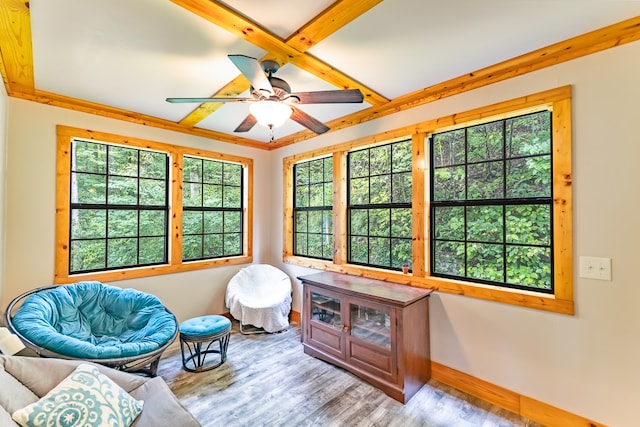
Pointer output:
x,y
595,268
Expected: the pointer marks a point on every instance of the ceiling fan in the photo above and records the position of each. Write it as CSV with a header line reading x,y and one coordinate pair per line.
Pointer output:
x,y
272,102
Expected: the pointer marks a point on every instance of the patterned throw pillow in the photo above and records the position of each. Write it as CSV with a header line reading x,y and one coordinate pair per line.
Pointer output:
x,y
85,398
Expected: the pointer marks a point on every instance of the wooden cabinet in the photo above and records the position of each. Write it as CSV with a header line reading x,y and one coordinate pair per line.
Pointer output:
x,y
377,330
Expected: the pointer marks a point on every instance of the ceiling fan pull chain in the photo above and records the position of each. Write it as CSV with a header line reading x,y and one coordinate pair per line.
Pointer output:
x,y
271,130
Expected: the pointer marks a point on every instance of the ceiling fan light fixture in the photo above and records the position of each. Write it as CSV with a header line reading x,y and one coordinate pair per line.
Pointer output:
x,y
270,114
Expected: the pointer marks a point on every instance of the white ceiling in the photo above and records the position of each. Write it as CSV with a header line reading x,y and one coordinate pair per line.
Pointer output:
x,y
132,54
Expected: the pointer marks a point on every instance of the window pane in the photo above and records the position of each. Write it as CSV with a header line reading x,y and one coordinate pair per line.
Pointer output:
x,y
301,173
380,222
315,222
152,223
213,221
316,171
401,223
485,262
232,222
192,222
449,223
529,266
122,191
380,160
401,188
192,194
89,157
400,252
485,181
448,148
380,189
88,189
316,195
328,169
380,251
302,197
232,197
122,252
485,224
232,174
485,142
191,247
359,164
301,244
88,223
212,196
192,169
448,183
328,194
87,255
233,244
213,246
153,165
152,250
123,161
359,222
212,172
359,249
123,223
359,191
152,192
529,135
449,258
529,177
529,224
402,156
314,242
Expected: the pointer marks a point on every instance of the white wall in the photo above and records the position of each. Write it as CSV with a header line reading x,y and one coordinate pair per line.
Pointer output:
x,y
30,216
587,364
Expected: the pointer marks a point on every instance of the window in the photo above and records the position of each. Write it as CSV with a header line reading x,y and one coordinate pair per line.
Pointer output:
x,y
478,203
117,198
313,208
212,204
379,210
119,207
491,204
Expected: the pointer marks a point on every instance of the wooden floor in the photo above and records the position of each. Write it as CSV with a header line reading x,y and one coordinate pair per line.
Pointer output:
x,y
268,381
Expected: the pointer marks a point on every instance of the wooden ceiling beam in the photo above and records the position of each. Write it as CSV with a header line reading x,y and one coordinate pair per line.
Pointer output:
x,y
16,57
291,50
323,25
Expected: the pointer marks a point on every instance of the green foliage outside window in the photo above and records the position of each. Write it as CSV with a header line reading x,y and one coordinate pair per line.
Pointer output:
x,y
313,209
118,207
379,208
491,203
212,209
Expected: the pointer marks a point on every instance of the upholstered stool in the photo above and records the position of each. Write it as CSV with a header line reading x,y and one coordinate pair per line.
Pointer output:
x,y
197,335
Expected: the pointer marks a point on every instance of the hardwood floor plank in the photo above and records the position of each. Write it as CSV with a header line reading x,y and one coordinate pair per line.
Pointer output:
x,y
267,380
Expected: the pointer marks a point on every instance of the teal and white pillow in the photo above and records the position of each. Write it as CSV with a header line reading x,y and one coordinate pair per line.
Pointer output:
x,y
85,398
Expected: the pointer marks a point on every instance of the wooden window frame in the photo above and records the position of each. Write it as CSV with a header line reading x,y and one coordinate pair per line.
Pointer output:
x,y
561,301
175,264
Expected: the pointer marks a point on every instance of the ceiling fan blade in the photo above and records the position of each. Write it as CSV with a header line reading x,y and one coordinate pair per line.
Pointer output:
x,y
246,124
253,71
307,121
330,96
202,100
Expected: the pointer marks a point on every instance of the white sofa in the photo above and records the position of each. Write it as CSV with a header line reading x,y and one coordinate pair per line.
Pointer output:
x,y
24,380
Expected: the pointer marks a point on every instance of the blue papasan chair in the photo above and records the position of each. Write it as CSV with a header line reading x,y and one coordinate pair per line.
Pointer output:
x,y
121,328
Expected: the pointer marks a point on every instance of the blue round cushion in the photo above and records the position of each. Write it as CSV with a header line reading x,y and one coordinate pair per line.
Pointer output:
x,y
204,325
91,320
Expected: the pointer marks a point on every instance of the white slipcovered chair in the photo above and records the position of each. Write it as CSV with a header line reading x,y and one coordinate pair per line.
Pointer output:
x,y
260,295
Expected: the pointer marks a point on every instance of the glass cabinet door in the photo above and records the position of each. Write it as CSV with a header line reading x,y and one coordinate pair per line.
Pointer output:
x,y
371,324
326,310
